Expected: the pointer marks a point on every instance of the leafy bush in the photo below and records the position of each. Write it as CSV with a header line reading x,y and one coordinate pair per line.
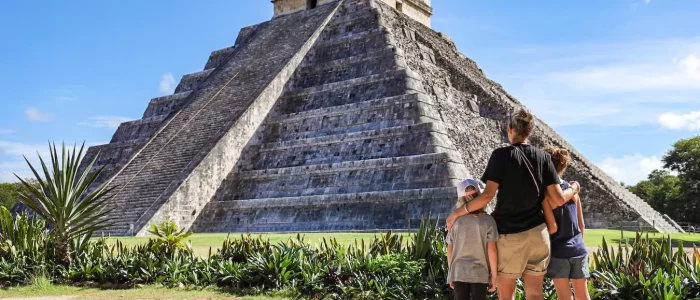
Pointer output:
x,y
646,270
168,238
383,268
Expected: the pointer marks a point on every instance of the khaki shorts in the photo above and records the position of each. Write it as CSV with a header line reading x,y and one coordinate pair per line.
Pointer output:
x,y
524,253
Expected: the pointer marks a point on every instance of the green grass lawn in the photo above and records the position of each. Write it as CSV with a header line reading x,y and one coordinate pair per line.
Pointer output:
x,y
203,241
62,292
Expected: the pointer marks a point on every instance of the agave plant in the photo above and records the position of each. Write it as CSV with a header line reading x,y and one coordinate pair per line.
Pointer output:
x,y
168,238
63,199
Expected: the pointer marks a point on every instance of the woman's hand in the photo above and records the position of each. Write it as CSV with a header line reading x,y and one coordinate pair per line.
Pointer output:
x,y
576,186
452,285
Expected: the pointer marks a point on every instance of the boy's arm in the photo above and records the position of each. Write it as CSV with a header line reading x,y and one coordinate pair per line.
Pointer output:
x,y
549,217
449,255
579,209
478,203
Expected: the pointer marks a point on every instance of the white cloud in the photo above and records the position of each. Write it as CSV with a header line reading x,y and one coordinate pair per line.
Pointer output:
x,y
630,169
616,84
35,115
167,83
111,122
672,75
692,66
647,1
689,121
6,131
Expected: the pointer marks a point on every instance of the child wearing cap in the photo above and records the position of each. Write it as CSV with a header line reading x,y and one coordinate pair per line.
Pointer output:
x,y
569,262
471,248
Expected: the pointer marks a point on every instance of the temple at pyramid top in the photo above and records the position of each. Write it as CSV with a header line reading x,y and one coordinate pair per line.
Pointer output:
x,y
419,10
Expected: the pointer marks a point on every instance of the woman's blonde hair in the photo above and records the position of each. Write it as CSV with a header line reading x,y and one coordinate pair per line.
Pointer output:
x,y
463,200
522,122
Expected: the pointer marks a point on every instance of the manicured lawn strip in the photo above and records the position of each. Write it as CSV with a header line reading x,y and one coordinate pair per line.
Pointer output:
x,y
148,292
594,237
203,241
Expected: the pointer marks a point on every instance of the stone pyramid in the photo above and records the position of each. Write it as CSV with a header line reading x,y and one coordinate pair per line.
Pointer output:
x,y
333,116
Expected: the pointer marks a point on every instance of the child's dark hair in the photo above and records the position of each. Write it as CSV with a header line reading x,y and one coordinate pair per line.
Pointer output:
x,y
560,158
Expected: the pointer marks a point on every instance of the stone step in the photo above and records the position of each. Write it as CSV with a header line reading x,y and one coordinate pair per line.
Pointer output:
x,y
353,9
374,63
647,213
138,129
353,211
408,109
114,152
384,51
164,106
218,57
190,81
351,23
392,83
361,42
371,144
395,173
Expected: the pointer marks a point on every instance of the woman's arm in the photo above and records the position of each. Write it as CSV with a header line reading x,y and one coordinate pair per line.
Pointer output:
x,y
478,203
556,197
579,208
549,217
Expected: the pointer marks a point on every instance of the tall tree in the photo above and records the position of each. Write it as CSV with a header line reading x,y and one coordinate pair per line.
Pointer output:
x,y
684,158
662,191
8,195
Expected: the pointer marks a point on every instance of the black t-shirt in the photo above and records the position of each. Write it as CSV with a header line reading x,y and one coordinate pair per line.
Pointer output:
x,y
519,206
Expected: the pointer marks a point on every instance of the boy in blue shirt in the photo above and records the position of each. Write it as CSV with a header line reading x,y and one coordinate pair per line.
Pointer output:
x,y
569,262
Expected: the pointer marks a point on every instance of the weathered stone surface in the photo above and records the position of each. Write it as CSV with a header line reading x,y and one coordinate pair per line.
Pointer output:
x,y
350,116
419,10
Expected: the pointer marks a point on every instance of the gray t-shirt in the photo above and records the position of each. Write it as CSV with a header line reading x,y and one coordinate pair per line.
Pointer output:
x,y
468,237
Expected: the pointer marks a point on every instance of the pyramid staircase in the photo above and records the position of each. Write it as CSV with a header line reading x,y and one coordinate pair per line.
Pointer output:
x,y
353,144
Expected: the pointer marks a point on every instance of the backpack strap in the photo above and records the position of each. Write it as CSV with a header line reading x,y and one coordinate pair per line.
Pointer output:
x,y
529,168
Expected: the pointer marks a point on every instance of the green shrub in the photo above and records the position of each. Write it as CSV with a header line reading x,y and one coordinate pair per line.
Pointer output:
x,y
383,268
168,239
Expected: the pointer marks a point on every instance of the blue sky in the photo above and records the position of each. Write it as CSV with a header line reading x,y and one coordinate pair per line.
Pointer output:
x,y
619,79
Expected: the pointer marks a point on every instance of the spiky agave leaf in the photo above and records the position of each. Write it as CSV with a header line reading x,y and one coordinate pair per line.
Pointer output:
x,y
62,198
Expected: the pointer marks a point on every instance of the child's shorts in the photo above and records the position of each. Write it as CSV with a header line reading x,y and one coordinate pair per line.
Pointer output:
x,y
571,268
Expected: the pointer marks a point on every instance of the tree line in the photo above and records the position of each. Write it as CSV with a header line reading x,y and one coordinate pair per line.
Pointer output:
x,y
675,189
9,192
